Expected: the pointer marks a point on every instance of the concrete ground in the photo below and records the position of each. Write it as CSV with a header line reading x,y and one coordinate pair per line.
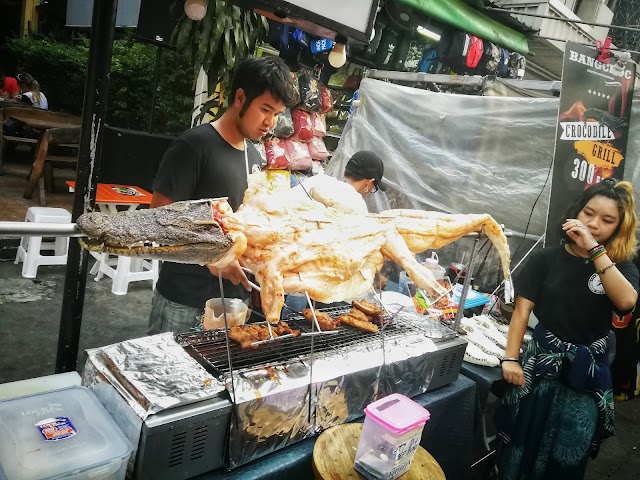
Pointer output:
x,y
30,309
30,316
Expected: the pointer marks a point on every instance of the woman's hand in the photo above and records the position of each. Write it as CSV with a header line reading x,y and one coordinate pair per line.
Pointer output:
x,y
579,233
512,373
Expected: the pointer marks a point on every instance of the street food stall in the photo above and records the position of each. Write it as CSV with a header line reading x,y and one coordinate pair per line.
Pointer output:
x,y
252,398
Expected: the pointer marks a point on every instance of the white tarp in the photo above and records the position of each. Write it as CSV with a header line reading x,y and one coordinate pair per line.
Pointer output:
x,y
463,154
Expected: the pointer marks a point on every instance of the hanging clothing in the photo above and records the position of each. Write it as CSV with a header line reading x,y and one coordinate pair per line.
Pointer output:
x,y
557,421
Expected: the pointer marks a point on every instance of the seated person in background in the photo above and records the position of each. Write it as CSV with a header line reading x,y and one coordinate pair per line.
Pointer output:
x,y
31,94
8,87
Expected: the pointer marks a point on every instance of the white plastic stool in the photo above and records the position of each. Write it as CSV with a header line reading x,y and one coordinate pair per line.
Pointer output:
x,y
126,270
30,247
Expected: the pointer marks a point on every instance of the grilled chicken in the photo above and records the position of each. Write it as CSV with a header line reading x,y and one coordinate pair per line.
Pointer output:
x,y
246,335
324,319
358,323
371,309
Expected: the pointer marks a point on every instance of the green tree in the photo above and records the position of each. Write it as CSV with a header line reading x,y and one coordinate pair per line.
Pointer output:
x,y
218,43
60,68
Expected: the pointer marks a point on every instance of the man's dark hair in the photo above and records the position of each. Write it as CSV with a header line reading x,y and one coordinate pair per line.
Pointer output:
x,y
256,75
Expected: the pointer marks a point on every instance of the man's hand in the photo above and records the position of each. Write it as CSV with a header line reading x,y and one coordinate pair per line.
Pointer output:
x,y
232,272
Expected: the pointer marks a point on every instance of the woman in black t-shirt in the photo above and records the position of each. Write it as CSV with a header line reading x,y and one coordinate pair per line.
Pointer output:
x,y
559,407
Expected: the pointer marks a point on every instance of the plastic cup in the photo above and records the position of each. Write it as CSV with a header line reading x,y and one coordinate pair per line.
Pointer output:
x,y
237,313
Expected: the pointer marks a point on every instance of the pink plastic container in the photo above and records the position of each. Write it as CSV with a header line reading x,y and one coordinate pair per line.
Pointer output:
x,y
390,437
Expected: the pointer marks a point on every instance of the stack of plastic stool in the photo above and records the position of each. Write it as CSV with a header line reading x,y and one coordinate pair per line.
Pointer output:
x,y
29,251
123,270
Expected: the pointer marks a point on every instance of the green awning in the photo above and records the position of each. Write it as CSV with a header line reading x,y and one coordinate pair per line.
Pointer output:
x,y
466,18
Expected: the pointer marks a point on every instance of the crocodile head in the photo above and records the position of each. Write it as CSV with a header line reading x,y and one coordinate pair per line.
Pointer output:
x,y
183,232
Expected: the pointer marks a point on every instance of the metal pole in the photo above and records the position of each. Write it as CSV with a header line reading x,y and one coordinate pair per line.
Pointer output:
x,y
465,286
36,229
156,77
94,111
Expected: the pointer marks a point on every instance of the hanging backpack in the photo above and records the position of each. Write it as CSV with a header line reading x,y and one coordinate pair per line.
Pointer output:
x,y
401,52
385,52
442,47
428,58
517,65
371,49
490,58
457,54
475,51
503,65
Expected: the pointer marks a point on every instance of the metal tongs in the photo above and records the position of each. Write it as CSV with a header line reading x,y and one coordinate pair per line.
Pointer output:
x,y
392,317
315,321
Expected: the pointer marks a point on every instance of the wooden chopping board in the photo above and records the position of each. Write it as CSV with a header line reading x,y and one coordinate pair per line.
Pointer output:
x,y
335,451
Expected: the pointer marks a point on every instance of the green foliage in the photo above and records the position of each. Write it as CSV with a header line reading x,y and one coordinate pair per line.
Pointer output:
x,y
60,68
218,43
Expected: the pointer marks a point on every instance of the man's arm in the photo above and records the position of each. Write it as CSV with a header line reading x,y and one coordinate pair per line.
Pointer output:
x,y
159,200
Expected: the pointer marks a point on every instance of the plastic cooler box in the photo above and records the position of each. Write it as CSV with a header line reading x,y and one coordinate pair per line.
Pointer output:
x,y
390,437
60,434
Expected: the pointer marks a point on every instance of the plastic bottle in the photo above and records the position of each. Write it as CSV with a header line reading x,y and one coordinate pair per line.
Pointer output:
x,y
435,268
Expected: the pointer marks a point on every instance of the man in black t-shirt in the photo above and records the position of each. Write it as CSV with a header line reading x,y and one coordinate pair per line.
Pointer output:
x,y
213,160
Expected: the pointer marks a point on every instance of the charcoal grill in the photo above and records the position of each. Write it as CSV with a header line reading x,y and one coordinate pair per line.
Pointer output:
x,y
172,442
210,350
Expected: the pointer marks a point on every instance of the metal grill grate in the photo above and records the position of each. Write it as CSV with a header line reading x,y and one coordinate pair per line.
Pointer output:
x,y
209,347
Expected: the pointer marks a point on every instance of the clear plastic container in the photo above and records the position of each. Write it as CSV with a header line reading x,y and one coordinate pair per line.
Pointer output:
x,y
213,313
390,437
432,264
60,434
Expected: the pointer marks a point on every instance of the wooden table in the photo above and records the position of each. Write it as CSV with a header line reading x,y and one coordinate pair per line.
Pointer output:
x,y
38,119
109,196
335,451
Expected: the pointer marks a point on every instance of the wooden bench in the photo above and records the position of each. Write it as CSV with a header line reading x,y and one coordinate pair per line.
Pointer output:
x,y
42,169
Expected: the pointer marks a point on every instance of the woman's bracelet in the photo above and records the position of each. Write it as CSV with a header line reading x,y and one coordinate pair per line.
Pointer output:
x,y
596,252
603,270
591,250
509,359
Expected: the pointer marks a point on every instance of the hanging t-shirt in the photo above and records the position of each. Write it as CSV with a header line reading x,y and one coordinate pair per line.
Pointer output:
x,y
569,297
201,164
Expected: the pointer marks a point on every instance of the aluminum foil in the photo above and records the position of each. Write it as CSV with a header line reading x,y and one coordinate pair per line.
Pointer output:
x,y
123,408
96,372
279,406
157,373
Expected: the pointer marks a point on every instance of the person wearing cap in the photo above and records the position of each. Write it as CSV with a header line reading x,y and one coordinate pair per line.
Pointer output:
x,y
364,172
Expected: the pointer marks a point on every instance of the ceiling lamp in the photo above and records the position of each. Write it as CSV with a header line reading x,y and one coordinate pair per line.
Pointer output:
x,y
338,55
428,33
195,9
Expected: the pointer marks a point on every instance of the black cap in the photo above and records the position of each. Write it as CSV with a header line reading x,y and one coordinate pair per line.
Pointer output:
x,y
366,164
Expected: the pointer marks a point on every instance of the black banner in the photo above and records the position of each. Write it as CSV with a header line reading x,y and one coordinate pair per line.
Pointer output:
x,y
592,129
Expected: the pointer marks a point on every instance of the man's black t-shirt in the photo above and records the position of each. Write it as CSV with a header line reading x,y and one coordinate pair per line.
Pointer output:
x,y
569,298
201,164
